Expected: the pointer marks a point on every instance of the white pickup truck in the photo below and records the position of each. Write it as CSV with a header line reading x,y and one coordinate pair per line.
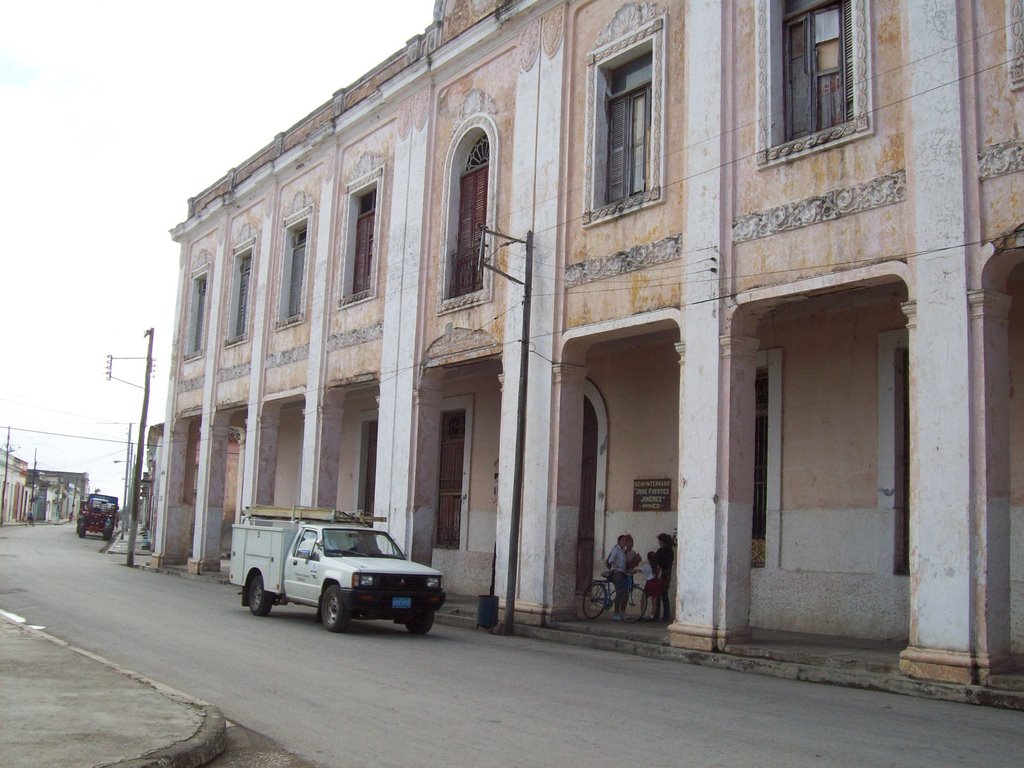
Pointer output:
x,y
346,570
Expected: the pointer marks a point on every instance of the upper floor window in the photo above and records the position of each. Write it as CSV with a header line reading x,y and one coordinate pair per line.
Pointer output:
x,y
239,318
197,316
629,128
817,66
625,117
814,84
293,275
466,272
362,267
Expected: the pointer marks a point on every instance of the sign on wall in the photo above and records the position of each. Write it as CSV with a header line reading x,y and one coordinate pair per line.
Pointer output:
x,y
652,495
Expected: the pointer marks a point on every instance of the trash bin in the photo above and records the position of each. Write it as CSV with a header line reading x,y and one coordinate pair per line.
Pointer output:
x,y
487,611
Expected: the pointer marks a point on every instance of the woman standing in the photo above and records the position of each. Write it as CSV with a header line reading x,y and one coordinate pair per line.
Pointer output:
x,y
666,557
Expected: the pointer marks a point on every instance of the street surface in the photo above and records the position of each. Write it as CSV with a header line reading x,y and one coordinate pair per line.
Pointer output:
x,y
380,696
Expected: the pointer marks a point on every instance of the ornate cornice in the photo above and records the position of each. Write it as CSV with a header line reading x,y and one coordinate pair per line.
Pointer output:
x,y
234,372
883,190
287,357
301,201
201,259
191,385
355,337
368,164
632,260
460,342
1000,159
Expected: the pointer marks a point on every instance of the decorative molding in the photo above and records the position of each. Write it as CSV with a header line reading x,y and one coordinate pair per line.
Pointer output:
x,y
287,357
369,165
632,25
465,300
420,108
234,372
554,27
202,259
245,237
1000,159
835,204
355,337
475,102
459,342
771,148
529,45
1015,42
301,202
191,385
632,260
628,18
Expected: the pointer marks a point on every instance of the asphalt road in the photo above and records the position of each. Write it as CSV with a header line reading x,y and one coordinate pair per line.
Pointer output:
x,y
380,696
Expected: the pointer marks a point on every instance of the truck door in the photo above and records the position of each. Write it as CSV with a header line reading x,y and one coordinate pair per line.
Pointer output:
x,y
300,569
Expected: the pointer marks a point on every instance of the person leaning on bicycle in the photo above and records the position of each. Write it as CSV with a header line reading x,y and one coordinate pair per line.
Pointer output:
x,y
621,561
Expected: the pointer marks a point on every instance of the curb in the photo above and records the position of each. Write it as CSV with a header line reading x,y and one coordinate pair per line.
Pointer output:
x,y
209,740
206,744
803,671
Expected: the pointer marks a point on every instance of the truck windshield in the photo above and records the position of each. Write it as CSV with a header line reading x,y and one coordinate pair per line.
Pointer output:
x,y
340,542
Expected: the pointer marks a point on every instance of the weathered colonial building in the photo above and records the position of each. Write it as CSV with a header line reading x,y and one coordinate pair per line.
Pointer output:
x,y
776,269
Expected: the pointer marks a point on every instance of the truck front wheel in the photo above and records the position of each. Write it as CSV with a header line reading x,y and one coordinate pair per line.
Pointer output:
x,y
260,601
421,623
81,530
333,613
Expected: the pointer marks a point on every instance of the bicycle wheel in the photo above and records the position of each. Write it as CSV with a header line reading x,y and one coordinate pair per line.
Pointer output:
x,y
636,604
595,599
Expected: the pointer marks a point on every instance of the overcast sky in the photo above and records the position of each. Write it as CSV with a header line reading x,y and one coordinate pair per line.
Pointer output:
x,y
113,114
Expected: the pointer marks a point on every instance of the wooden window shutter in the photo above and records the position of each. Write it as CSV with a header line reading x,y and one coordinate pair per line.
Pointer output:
x,y
848,59
617,176
364,252
798,81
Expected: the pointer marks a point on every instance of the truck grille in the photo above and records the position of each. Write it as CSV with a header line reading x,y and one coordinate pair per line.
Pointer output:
x,y
398,581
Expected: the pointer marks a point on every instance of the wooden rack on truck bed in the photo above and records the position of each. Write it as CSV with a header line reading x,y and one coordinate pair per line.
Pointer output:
x,y
321,514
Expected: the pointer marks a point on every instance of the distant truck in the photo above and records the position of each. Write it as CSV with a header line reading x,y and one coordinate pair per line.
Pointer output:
x,y
333,562
98,514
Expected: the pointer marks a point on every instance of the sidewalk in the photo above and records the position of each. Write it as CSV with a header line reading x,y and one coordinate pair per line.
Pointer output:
x,y
849,662
62,706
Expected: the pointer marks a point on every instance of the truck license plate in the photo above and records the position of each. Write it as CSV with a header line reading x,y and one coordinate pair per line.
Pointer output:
x,y
401,602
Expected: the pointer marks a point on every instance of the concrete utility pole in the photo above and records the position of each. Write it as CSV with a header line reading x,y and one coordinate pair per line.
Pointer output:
x,y
137,477
517,474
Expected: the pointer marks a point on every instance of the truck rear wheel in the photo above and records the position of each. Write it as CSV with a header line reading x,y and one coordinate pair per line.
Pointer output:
x,y
81,530
260,601
421,623
333,613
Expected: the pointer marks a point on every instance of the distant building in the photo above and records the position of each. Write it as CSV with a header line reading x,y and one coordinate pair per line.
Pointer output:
x,y
777,310
14,486
56,495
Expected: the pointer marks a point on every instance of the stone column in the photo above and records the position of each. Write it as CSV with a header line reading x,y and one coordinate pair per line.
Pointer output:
x,y
565,516
269,424
209,509
328,456
985,610
427,409
170,542
714,567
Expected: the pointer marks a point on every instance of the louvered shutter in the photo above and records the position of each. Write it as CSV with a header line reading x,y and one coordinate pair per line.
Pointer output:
x,y
244,269
297,269
364,253
847,53
472,218
798,81
617,172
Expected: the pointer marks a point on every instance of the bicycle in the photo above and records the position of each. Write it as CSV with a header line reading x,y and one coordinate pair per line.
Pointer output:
x,y
601,594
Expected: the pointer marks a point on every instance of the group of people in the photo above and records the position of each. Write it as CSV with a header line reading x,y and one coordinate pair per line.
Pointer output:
x,y
623,560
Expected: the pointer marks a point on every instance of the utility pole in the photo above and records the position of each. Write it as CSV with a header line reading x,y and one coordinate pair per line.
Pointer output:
x,y
127,475
139,453
7,460
515,522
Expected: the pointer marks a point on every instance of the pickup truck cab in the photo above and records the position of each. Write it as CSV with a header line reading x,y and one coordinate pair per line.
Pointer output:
x,y
343,569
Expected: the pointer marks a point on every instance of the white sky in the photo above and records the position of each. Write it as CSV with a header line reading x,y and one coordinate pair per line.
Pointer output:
x,y
112,114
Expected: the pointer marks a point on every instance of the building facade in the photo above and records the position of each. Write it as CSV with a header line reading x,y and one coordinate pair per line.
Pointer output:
x,y
14,488
777,310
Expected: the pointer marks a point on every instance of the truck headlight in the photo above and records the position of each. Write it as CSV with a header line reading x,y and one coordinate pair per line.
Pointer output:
x,y
364,579
433,582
